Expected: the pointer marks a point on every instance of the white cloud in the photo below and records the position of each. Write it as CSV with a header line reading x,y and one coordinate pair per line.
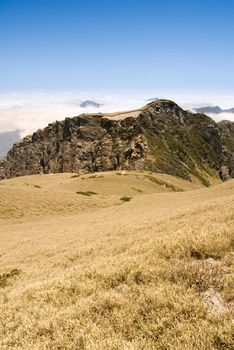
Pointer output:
x,y
222,116
28,112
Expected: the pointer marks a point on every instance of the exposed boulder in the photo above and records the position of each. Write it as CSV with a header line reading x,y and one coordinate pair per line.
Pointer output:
x,y
214,302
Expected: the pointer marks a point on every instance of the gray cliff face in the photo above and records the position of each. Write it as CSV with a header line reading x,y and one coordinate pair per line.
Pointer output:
x,y
163,138
227,138
87,144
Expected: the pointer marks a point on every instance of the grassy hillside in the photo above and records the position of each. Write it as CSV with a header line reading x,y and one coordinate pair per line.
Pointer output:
x,y
83,268
31,197
188,148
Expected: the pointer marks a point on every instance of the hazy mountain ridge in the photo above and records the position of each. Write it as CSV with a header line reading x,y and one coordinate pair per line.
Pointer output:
x,y
213,109
161,137
6,141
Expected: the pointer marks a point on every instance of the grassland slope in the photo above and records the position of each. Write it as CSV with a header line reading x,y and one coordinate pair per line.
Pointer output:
x,y
92,271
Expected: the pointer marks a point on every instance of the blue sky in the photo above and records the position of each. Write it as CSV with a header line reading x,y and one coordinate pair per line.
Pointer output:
x,y
116,45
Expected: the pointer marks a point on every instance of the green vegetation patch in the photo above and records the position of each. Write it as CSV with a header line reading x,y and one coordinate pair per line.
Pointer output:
x,y
95,176
137,189
75,175
123,172
87,193
4,278
125,199
163,183
182,155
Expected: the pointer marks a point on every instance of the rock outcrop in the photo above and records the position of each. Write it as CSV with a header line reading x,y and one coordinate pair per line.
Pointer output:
x,y
227,140
161,138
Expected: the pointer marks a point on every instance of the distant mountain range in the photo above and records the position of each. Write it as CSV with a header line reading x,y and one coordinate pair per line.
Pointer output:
x,y
213,109
89,103
6,141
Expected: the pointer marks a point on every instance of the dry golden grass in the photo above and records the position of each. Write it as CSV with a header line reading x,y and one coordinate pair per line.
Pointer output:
x,y
95,272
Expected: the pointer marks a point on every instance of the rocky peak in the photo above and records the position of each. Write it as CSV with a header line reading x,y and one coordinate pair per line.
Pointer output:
x,y
160,137
165,106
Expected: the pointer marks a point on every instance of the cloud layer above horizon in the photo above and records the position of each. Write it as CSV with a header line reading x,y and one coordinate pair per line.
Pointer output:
x,y
27,112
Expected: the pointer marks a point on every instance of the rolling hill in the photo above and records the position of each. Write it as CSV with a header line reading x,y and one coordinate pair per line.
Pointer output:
x,y
116,260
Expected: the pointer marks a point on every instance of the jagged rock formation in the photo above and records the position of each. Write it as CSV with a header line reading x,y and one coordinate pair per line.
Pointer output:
x,y
227,139
161,137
